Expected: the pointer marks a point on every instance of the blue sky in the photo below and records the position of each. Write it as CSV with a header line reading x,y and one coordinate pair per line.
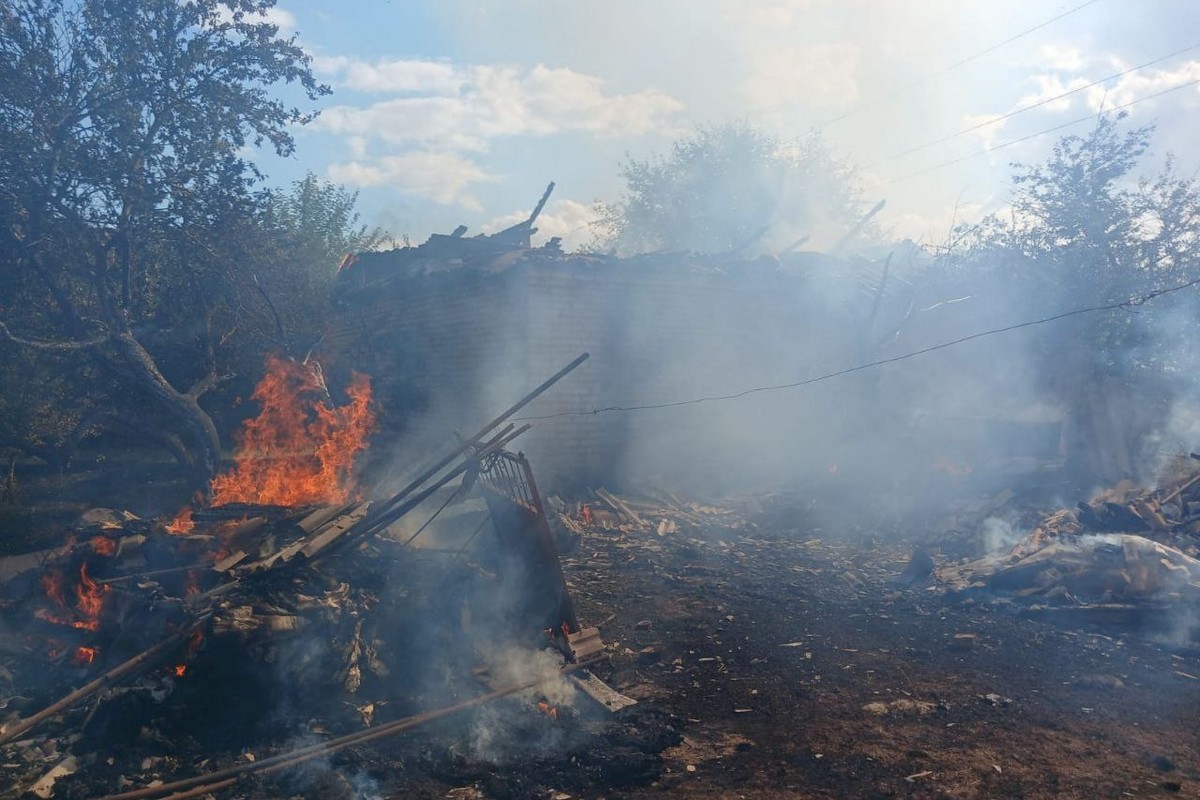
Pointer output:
x,y
461,111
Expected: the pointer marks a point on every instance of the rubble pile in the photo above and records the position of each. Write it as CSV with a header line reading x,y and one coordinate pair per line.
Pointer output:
x,y
1128,556
145,649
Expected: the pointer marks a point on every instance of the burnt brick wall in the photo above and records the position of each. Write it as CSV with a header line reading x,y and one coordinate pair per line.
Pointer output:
x,y
451,349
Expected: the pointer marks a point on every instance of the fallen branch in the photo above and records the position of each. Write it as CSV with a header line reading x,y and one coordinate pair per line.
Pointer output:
x,y
198,785
142,659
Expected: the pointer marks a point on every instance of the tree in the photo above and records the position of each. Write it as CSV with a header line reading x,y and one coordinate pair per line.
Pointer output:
x,y
729,188
123,128
1086,229
291,255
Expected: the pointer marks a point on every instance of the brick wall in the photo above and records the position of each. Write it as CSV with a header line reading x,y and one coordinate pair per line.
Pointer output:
x,y
454,347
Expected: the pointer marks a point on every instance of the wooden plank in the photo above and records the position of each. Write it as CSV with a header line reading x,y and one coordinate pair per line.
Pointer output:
x,y
334,530
604,695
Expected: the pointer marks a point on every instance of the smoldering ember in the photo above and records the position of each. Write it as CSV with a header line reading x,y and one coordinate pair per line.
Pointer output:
x,y
747,495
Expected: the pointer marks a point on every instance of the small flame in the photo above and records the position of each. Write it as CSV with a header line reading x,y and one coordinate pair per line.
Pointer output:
x,y
193,584
52,586
91,600
104,546
84,655
180,670
549,710
300,449
585,514
183,522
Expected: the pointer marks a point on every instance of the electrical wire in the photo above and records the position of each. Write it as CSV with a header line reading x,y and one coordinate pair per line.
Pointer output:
x,y
1027,137
1123,304
905,89
1030,107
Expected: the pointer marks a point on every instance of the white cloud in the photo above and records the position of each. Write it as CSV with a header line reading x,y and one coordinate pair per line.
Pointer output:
x,y
1048,96
1051,86
1062,57
988,130
441,177
436,111
390,75
936,227
464,107
1145,83
814,76
279,17
568,219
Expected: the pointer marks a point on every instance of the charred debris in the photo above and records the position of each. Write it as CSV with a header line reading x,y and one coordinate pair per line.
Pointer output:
x,y
146,639
268,644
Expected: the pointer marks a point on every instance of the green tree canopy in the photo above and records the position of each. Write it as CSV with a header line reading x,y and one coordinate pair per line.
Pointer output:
x,y
126,193
730,188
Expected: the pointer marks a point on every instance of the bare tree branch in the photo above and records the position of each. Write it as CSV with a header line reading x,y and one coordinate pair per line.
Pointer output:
x,y
51,344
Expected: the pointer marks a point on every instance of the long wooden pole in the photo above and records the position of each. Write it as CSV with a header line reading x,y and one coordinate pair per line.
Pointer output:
x,y
115,674
397,512
471,441
202,784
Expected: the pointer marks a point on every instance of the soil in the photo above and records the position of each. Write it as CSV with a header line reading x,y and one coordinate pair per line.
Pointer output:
x,y
772,664
801,669
776,666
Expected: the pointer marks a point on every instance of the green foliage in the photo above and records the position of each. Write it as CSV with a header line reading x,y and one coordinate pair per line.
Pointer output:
x,y
1084,229
728,188
128,208
320,219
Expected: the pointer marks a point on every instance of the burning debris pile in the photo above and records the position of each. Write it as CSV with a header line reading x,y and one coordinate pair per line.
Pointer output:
x,y
282,612
1127,556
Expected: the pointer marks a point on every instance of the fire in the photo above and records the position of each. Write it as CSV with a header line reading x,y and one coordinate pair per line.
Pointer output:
x,y
193,644
549,710
102,545
84,655
182,523
300,449
585,514
89,599
52,586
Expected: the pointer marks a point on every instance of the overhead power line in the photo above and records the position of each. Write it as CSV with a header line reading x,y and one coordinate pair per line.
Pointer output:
x,y
1128,304
1011,142
1030,107
906,88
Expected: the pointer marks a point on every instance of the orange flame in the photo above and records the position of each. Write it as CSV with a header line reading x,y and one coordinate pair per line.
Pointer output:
x,y
102,545
52,586
89,596
549,710
182,523
300,449
84,655
180,670
91,600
